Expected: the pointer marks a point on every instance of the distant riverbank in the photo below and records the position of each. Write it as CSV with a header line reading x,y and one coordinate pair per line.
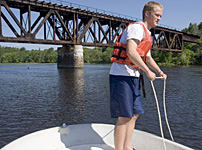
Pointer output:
x,y
98,56
160,64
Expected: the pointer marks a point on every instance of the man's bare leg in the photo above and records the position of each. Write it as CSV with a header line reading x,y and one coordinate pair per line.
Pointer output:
x,y
129,132
123,133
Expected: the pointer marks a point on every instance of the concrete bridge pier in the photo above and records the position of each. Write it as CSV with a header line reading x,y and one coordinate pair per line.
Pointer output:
x,y
70,56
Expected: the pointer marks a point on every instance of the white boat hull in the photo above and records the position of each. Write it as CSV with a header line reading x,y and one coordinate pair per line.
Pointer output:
x,y
87,137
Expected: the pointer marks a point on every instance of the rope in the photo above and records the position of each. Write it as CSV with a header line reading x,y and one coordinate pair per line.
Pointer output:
x,y
165,112
159,114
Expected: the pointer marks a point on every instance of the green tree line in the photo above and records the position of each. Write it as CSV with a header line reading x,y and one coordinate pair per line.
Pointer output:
x,y
16,55
192,54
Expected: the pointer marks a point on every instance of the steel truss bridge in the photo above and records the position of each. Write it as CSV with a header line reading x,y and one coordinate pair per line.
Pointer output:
x,y
34,21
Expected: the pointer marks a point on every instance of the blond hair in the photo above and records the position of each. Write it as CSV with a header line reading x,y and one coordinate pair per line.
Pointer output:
x,y
150,7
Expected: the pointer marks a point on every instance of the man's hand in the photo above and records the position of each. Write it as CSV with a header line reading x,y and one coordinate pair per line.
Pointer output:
x,y
163,75
151,75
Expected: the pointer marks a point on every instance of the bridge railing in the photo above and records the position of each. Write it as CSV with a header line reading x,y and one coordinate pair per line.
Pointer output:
x,y
105,12
96,10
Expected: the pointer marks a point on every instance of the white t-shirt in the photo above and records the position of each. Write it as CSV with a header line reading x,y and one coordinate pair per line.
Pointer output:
x,y
133,31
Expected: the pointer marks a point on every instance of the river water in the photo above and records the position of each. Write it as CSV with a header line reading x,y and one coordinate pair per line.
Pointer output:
x,y
36,97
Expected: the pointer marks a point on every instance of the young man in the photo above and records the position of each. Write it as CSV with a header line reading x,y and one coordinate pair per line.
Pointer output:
x,y
125,95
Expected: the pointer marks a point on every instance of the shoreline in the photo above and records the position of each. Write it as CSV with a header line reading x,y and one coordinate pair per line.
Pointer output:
x,y
160,64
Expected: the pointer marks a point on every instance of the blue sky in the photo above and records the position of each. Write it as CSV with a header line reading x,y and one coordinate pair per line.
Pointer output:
x,y
177,13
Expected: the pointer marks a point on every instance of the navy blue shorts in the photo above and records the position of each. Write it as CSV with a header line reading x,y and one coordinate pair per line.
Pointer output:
x,y
125,96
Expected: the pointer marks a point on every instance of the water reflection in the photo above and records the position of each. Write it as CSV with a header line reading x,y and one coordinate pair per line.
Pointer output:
x,y
71,83
71,94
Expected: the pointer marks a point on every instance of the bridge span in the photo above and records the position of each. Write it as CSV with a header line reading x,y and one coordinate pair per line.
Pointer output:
x,y
34,21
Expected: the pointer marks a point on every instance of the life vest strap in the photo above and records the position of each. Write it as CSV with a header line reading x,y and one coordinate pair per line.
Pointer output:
x,y
120,47
141,84
118,57
120,51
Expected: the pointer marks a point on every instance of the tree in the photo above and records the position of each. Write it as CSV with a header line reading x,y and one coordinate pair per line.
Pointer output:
x,y
23,49
193,29
107,54
198,54
200,26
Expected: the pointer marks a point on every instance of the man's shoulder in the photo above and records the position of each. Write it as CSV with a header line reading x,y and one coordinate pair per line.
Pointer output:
x,y
135,27
136,24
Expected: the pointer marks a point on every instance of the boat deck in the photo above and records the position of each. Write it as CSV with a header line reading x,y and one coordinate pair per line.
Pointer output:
x,y
87,137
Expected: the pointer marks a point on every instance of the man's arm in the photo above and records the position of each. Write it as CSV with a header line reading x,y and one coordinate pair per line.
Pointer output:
x,y
136,59
152,64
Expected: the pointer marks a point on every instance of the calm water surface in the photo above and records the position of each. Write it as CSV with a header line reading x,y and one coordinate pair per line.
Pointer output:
x,y
43,96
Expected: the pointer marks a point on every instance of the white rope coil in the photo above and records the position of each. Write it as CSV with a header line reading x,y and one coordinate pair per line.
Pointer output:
x,y
159,114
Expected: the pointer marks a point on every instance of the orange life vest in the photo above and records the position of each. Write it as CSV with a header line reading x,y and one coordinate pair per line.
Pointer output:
x,y
119,54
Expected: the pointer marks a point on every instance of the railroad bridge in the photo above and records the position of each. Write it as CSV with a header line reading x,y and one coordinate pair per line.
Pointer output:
x,y
46,22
